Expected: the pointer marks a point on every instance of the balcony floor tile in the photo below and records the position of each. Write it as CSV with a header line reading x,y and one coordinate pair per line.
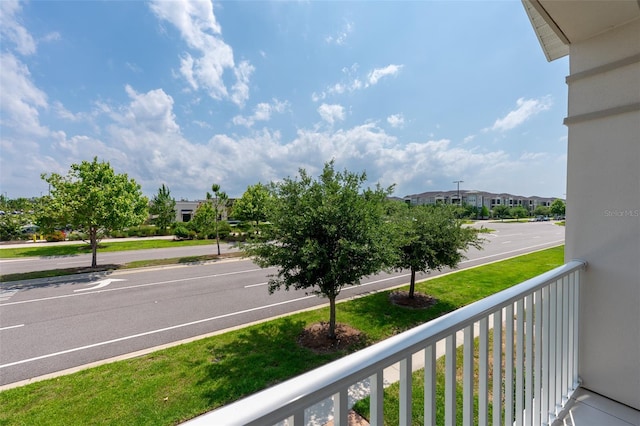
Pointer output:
x,y
591,409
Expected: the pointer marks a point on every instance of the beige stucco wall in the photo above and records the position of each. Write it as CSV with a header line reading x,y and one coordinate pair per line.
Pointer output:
x,y
603,207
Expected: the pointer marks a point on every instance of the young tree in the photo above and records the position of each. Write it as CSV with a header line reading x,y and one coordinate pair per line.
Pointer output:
x,y
500,211
252,206
163,207
541,211
203,221
557,207
518,212
218,201
430,238
484,212
325,234
95,200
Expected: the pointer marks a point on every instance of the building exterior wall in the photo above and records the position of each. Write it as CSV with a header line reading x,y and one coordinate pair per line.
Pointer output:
x,y
603,207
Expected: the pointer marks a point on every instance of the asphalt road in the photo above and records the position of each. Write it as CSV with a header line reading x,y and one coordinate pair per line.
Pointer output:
x,y
21,265
49,327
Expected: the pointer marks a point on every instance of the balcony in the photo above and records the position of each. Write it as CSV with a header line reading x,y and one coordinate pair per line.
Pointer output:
x,y
530,330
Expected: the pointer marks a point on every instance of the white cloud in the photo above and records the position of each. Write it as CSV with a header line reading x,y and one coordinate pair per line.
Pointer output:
x,y
396,120
21,99
351,82
526,108
12,30
340,38
331,113
468,138
378,73
262,112
203,68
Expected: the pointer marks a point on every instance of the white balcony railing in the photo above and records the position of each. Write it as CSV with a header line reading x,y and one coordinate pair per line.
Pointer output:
x,y
534,331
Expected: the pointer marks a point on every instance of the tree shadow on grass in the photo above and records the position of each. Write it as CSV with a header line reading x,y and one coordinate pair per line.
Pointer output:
x,y
377,312
259,357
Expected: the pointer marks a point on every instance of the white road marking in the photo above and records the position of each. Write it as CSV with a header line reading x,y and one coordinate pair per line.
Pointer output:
x,y
6,294
11,326
255,285
506,242
128,287
100,284
146,333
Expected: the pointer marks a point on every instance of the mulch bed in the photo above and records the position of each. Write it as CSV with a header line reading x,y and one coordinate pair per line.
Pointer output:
x,y
419,300
316,337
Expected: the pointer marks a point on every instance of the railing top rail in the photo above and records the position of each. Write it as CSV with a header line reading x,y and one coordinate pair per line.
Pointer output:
x,y
298,393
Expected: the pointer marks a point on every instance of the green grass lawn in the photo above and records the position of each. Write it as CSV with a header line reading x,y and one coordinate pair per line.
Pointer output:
x,y
53,249
175,384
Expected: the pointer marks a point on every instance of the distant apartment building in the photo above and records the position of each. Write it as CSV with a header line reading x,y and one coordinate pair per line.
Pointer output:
x,y
477,199
185,209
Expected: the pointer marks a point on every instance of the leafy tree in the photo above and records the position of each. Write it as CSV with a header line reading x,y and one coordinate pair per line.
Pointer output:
x,y
541,211
95,200
484,212
252,206
500,211
430,238
203,221
218,201
325,234
518,212
163,207
557,207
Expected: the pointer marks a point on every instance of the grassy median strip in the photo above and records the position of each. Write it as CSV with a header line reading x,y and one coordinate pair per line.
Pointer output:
x,y
53,249
175,384
131,265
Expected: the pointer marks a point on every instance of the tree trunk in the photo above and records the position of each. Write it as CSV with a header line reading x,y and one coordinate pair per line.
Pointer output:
x,y
93,239
332,317
412,286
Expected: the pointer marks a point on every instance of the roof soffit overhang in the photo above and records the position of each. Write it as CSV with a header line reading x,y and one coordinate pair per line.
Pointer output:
x,y
558,23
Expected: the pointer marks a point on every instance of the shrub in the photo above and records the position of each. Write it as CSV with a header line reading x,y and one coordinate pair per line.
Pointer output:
x,y
55,236
181,231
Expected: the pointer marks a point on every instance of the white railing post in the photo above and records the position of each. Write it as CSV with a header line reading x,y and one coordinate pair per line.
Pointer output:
x,y
376,383
405,390
483,372
467,376
429,385
450,381
508,366
497,367
537,358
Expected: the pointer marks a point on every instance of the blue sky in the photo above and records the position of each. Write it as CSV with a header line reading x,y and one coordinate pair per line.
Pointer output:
x,y
417,94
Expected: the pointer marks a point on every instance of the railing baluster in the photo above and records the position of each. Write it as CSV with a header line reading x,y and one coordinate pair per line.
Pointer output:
x,y
376,384
405,390
544,407
553,328
508,366
559,337
497,367
450,381
520,315
298,418
429,385
467,376
565,341
537,362
528,360
576,326
483,372
341,408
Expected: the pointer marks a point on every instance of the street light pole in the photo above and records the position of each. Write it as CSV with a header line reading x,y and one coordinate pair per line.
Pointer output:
x,y
459,182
